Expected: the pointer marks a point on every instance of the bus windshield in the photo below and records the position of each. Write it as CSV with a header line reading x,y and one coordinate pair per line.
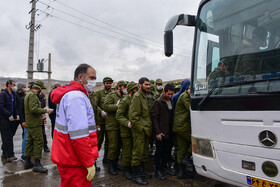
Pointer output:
x,y
237,41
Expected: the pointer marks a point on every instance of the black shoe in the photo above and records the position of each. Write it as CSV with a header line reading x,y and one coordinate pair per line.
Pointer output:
x,y
28,164
96,167
167,171
105,157
111,169
23,158
137,179
187,160
159,175
11,159
38,167
182,174
127,173
4,156
143,173
46,149
117,166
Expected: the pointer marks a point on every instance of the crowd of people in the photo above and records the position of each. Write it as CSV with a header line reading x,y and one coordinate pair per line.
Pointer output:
x,y
135,121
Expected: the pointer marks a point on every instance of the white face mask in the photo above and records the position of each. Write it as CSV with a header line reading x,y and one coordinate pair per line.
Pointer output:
x,y
14,89
24,90
90,85
124,91
159,87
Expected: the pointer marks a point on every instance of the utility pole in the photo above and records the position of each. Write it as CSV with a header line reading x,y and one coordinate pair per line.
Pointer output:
x,y
49,74
31,42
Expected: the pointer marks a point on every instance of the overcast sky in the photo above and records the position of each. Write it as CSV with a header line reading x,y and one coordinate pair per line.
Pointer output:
x,y
122,39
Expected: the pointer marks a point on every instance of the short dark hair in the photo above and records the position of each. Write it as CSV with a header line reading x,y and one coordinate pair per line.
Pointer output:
x,y
169,87
31,84
9,82
81,69
143,79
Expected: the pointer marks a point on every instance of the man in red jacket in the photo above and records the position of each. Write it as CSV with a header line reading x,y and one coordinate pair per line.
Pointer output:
x,y
75,145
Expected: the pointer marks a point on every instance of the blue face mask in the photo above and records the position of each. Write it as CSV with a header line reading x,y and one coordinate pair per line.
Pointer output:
x,y
14,89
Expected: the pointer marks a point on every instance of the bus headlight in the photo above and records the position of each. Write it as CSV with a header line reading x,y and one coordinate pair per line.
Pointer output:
x,y
202,147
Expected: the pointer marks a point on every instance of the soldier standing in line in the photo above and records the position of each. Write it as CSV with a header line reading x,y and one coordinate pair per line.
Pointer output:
x,y
182,128
139,116
125,129
97,112
101,116
159,88
33,117
112,127
152,94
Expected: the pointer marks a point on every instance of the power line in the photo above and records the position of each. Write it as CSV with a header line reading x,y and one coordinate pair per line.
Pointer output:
x,y
100,32
118,28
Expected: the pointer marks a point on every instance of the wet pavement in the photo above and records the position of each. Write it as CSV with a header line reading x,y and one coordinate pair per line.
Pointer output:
x,y
14,175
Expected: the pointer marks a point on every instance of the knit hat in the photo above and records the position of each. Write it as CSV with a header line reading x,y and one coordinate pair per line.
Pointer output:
x,y
20,85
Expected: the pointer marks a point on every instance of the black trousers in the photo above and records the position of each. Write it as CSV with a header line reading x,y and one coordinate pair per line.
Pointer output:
x,y
44,135
8,130
162,153
53,123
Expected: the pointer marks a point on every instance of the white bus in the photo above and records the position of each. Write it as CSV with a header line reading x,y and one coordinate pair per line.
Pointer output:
x,y
235,112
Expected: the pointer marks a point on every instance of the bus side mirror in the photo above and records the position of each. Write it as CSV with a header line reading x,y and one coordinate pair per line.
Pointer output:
x,y
168,43
182,19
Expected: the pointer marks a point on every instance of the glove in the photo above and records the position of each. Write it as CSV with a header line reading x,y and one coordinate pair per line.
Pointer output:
x,y
91,172
118,102
11,118
129,125
103,114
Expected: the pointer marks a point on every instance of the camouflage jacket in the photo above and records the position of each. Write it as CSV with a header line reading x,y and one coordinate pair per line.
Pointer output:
x,y
111,108
139,114
182,118
122,116
33,110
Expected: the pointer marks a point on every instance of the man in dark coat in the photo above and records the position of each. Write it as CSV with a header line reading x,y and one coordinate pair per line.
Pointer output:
x,y
8,119
162,117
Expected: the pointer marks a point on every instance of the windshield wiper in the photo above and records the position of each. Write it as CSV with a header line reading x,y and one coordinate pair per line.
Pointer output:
x,y
204,101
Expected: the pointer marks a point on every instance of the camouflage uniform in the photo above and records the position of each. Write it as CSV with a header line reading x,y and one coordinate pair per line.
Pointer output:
x,y
182,126
100,98
139,116
33,117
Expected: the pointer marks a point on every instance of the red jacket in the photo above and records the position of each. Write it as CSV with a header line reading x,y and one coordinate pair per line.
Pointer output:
x,y
75,138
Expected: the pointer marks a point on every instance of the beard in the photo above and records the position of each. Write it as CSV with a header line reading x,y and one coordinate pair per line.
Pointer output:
x,y
143,90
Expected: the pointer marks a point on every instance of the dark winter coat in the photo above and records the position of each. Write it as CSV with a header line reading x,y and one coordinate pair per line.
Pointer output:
x,y
8,106
162,118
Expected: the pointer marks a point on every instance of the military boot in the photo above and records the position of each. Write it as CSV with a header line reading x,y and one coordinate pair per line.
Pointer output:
x,y
105,157
28,164
182,174
136,178
127,172
111,169
117,166
143,173
38,167
187,160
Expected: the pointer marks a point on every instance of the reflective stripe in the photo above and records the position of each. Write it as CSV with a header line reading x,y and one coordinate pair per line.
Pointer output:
x,y
81,132
61,127
75,133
